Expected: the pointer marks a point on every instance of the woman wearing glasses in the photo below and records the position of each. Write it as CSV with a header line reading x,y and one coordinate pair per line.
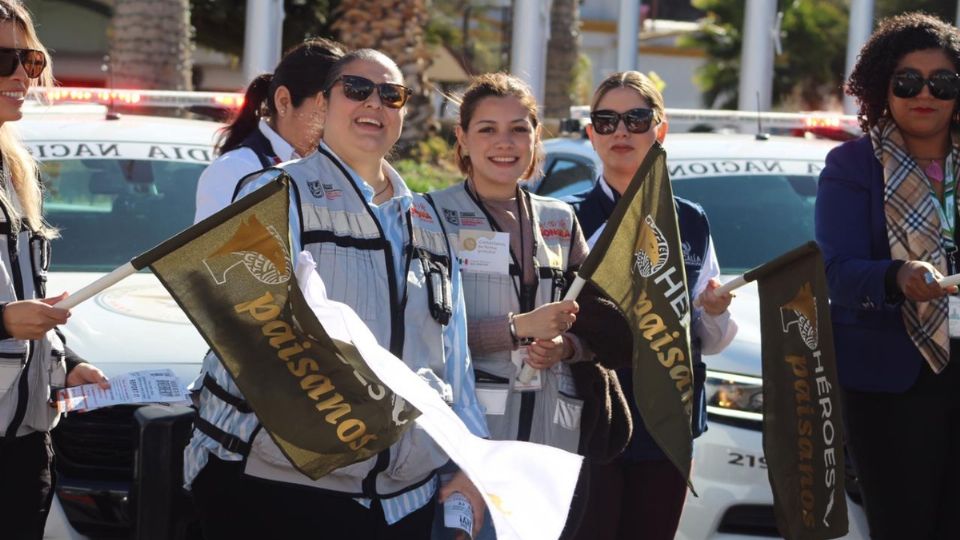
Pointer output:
x,y
280,121
640,494
886,220
381,250
33,358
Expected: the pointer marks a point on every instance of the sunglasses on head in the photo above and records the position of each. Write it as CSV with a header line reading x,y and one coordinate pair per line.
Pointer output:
x,y
942,84
358,88
32,60
635,120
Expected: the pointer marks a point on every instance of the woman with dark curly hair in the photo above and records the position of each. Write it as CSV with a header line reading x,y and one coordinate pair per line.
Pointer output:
x,y
886,220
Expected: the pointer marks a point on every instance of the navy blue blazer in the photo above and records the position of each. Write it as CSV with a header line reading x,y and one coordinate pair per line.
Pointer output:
x,y
874,352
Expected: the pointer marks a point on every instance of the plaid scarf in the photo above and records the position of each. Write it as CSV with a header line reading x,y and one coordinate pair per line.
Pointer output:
x,y
913,229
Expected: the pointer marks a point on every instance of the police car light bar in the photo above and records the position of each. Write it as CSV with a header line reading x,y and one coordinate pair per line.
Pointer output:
x,y
746,122
140,98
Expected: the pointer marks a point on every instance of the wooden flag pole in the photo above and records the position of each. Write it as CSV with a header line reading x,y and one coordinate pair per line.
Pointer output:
x,y
527,372
949,281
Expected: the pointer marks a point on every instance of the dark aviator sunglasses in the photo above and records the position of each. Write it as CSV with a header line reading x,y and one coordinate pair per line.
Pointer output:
x,y
32,60
943,84
358,88
635,120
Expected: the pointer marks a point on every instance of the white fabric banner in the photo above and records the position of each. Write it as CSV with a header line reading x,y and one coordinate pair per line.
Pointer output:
x,y
527,487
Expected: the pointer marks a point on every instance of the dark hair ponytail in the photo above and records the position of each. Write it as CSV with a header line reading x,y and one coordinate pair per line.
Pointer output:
x,y
246,119
302,70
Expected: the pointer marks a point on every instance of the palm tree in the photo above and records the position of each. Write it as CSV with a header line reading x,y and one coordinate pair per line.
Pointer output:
x,y
150,44
563,50
394,27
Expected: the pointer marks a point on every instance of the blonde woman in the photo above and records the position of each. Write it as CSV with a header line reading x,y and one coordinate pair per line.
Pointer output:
x,y
33,358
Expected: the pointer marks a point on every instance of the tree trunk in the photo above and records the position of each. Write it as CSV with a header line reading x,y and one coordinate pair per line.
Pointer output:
x,y
150,45
563,49
395,28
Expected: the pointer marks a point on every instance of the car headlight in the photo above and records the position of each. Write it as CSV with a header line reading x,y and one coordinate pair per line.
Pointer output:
x,y
734,396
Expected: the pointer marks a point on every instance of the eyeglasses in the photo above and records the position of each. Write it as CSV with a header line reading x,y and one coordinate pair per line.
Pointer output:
x,y
635,120
32,60
358,88
943,84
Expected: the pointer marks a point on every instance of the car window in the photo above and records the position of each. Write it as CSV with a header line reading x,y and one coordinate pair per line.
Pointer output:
x,y
567,175
110,210
753,218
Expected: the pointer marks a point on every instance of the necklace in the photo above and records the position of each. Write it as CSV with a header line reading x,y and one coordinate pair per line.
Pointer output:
x,y
385,187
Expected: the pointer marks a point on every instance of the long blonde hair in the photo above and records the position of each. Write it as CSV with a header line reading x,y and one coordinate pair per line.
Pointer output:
x,y
17,160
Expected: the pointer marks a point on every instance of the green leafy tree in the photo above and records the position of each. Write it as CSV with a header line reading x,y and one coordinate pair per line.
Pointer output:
x,y
807,74
219,24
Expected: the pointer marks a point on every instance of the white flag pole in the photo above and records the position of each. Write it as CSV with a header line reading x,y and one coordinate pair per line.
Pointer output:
x,y
527,372
727,287
949,281
90,290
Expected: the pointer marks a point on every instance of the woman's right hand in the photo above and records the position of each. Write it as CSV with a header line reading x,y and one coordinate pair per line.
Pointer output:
x,y
32,319
912,278
547,321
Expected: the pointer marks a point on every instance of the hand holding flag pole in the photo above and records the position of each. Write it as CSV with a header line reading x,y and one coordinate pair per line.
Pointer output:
x,y
528,371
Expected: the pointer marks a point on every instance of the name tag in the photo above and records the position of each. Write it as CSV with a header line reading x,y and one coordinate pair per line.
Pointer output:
x,y
493,400
954,316
484,251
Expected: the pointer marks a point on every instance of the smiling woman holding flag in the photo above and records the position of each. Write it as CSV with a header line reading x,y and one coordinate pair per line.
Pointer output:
x,y
517,253
886,220
33,358
382,251
640,494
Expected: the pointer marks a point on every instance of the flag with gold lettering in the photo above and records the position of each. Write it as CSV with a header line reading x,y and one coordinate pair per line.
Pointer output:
x,y
232,275
637,262
802,426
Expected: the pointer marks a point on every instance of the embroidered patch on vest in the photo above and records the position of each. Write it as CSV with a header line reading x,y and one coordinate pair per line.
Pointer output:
x,y
689,257
316,188
451,216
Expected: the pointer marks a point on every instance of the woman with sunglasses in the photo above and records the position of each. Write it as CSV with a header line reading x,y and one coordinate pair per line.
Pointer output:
x,y
33,358
886,220
381,250
640,494
279,121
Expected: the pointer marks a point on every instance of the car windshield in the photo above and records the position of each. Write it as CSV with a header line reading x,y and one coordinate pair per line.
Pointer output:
x,y
110,210
753,218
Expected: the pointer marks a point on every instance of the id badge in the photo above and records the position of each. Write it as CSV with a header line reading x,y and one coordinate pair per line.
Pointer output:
x,y
484,251
519,358
954,315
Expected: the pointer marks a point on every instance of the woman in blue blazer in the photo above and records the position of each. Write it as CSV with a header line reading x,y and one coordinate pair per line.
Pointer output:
x,y
886,220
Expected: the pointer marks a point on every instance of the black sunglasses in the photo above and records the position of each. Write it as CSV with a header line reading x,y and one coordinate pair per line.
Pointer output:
x,y
32,60
358,88
942,84
635,120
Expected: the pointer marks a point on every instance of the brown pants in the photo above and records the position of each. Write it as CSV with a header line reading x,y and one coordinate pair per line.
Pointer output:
x,y
633,501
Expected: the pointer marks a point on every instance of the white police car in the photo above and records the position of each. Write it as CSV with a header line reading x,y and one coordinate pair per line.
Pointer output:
x,y
116,185
759,197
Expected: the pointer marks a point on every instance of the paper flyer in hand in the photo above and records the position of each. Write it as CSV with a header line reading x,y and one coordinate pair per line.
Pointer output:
x,y
138,387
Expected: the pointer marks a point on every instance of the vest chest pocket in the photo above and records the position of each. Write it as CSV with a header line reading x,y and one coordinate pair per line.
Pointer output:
x,y
10,366
564,431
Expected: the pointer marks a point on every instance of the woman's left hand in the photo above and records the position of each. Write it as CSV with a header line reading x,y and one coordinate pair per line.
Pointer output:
x,y
87,374
711,302
461,483
544,353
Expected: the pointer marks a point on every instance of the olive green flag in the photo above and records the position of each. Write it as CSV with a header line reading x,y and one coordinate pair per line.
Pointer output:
x,y
802,424
232,275
637,262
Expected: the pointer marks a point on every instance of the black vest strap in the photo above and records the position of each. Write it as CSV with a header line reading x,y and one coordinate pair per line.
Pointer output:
x,y
261,146
230,442
210,384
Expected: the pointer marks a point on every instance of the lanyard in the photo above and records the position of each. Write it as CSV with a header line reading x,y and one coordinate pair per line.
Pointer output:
x,y
519,287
